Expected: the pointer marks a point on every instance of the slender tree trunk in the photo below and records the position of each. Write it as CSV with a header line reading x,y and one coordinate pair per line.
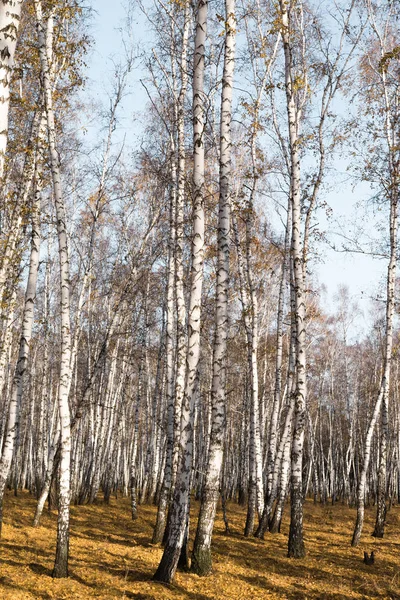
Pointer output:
x,y
10,16
180,506
255,434
250,315
24,349
45,49
272,463
179,242
296,546
382,402
201,559
382,399
159,528
52,459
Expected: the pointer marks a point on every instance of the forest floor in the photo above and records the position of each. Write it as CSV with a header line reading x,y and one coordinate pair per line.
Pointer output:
x,y
112,557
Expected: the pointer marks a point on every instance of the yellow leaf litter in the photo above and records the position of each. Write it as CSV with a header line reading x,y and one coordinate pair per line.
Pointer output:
x,y
111,556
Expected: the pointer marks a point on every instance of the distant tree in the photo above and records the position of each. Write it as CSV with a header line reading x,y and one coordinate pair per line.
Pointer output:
x,y
379,71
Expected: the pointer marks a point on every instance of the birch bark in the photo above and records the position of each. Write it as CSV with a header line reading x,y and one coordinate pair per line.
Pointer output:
x,y
179,510
381,404
45,36
201,558
24,348
272,462
296,546
179,242
383,396
159,528
10,15
250,316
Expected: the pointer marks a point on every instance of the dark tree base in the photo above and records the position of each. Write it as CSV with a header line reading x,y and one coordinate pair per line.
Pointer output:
x,y
357,532
275,525
296,547
202,562
166,532
159,528
1,512
107,495
276,521
379,530
158,533
60,566
251,513
263,525
380,522
225,515
242,499
378,534
183,562
59,573
62,551
297,550
167,567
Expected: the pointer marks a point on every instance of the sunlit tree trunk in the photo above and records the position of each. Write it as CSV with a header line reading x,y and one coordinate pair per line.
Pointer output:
x,y
135,441
296,546
250,315
255,433
201,558
45,34
381,405
24,346
273,439
10,16
178,517
179,245
382,399
159,528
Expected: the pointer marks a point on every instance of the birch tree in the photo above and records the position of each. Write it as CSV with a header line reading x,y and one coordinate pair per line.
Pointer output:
x,y
26,330
170,367
10,16
201,559
384,93
178,518
45,37
296,542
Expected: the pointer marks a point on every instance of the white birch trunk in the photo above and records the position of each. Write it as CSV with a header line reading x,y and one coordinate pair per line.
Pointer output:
x,y
10,15
6,343
169,349
45,35
201,559
250,314
179,242
273,438
383,395
179,511
296,547
24,343
24,347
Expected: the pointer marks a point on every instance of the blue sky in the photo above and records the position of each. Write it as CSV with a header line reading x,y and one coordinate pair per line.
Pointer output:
x,y
362,274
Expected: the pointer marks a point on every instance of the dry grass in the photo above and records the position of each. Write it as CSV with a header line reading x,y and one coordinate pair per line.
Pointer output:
x,y
112,557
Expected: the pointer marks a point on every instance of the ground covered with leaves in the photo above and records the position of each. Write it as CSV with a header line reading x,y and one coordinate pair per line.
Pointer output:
x,y
112,557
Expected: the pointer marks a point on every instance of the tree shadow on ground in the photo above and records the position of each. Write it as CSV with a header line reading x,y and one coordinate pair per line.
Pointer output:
x,y
138,596
128,539
7,584
17,549
40,569
173,587
301,593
